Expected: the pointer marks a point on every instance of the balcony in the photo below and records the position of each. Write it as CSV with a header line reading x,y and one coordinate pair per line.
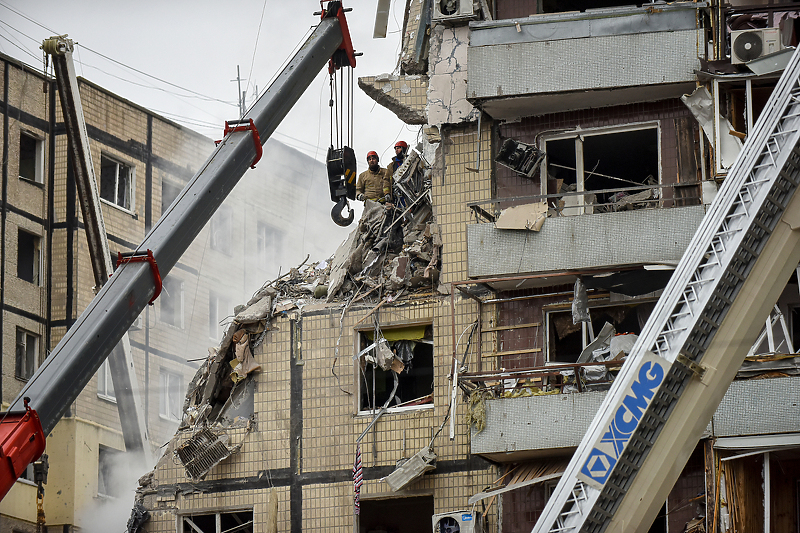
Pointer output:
x,y
611,56
583,242
519,428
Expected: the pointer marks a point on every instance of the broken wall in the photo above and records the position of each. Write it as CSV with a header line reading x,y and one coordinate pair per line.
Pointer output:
x,y
676,139
305,432
447,91
405,96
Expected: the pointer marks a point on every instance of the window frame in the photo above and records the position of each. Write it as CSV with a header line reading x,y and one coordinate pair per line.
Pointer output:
x,y
549,310
359,375
216,306
217,518
264,230
166,397
21,364
38,157
131,189
36,260
109,453
580,172
221,230
106,383
172,284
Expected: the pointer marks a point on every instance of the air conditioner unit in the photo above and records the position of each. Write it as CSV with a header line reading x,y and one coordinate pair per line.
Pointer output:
x,y
455,522
453,10
747,45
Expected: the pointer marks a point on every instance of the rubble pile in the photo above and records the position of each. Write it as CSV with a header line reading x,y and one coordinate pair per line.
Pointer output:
x,y
395,249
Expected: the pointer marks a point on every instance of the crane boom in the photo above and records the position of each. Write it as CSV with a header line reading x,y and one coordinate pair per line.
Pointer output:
x,y
712,310
59,381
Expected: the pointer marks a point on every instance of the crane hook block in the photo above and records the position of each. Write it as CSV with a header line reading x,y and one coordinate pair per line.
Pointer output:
x,y
341,165
338,209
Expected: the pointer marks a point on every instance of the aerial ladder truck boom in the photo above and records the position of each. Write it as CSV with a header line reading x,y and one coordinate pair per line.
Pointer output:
x,y
137,280
711,312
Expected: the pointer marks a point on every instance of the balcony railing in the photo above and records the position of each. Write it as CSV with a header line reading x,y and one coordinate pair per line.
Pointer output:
x,y
591,201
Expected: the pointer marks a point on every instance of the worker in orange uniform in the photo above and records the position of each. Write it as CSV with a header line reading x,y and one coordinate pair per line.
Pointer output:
x,y
400,150
375,183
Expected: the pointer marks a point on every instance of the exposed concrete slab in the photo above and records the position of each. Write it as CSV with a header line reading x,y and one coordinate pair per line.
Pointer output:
x,y
405,96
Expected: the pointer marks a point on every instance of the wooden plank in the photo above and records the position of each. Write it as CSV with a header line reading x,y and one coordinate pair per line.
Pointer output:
x,y
506,328
513,352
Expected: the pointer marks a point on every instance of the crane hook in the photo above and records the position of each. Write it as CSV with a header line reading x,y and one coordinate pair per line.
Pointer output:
x,y
338,209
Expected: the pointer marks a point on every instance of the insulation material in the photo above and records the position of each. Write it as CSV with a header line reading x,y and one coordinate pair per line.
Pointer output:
x,y
701,105
529,216
580,303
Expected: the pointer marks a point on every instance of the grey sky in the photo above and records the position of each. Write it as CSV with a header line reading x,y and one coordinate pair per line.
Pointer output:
x,y
197,45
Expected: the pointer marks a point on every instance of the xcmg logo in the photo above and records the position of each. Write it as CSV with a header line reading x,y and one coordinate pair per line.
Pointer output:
x,y
607,450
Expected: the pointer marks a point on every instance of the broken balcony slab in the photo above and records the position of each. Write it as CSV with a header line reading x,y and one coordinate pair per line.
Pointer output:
x,y
583,242
405,96
604,53
519,428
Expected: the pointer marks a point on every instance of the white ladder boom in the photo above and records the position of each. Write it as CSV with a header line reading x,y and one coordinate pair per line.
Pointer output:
x,y
711,312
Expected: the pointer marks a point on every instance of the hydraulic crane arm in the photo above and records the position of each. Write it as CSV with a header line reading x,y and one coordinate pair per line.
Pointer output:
x,y
70,366
123,373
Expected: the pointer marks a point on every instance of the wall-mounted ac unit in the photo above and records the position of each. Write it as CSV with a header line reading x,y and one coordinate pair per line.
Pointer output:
x,y
453,10
454,522
747,45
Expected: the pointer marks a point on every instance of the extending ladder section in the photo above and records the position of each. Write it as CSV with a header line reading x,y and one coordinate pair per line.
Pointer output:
x,y
696,338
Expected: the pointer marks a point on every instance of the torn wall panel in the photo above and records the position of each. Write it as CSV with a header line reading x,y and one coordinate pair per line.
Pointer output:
x,y
414,55
447,93
405,96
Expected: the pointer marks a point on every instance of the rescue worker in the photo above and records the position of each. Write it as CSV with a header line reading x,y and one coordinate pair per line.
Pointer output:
x,y
374,183
400,150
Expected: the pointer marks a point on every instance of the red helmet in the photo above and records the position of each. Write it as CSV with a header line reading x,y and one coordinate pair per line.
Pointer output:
x,y
401,144
371,153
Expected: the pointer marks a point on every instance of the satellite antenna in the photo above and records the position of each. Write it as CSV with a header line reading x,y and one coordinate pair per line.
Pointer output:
x,y
381,19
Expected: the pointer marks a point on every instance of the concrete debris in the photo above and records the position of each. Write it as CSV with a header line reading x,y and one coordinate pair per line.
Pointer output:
x,y
528,216
412,468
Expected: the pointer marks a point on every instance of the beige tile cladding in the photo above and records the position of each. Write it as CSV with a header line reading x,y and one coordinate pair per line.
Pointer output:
x,y
330,428
454,188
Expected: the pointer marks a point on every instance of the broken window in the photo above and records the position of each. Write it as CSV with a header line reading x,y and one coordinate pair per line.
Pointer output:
x,y
405,352
227,522
172,302
566,341
221,230
169,192
217,312
107,485
27,356
601,163
28,257
105,387
170,405
31,157
116,182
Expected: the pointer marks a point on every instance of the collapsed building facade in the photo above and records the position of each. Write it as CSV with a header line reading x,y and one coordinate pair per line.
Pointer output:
x,y
440,369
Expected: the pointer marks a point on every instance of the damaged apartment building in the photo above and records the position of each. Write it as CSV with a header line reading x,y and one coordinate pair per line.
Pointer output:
x,y
441,368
